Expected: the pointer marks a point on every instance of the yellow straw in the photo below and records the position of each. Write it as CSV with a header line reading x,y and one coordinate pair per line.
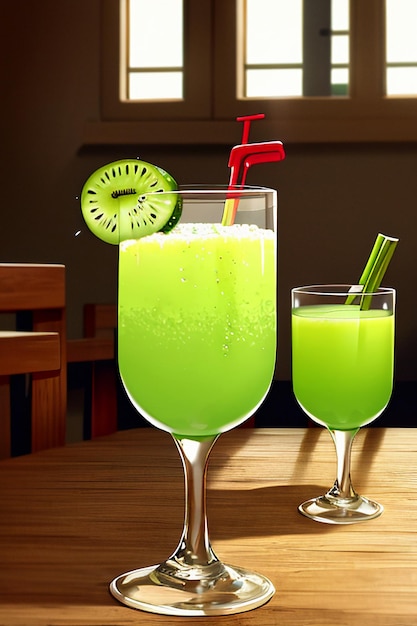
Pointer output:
x,y
229,212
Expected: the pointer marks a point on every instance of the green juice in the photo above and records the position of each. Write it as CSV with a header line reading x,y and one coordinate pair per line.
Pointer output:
x,y
342,363
197,325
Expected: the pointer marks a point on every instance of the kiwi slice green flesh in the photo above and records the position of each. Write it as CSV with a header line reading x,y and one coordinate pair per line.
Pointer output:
x,y
175,217
121,201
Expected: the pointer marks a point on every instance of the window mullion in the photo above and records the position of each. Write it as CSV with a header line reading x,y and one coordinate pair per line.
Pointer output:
x,y
228,73
317,48
367,50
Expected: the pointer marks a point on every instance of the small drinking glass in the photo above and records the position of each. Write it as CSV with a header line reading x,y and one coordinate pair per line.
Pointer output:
x,y
342,368
196,351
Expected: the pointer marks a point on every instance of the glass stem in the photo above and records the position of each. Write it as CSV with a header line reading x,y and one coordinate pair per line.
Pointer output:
x,y
342,488
194,549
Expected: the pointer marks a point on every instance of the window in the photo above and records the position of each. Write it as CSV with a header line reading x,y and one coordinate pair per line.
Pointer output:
x,y
154,40
132,60
354,84
302,49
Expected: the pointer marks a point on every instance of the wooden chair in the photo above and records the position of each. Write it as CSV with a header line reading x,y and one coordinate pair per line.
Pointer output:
x,y
40,351
97,349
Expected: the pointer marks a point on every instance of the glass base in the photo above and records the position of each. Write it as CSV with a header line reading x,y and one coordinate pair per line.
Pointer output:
x,y
340,510
233,591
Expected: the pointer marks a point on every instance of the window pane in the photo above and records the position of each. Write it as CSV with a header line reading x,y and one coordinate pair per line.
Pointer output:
x,y
155,38
340,82
155,85
274,83
340,15
340,49
273,31
401,81
401,47
401,27
155,33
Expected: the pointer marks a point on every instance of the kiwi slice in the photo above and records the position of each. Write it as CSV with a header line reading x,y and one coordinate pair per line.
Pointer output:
x,y
120,201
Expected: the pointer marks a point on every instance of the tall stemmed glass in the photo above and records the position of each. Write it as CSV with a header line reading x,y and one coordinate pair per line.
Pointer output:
x,y
342,364
197,348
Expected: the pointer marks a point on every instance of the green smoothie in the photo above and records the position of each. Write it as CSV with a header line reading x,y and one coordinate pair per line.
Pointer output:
x,y
197,325
342,363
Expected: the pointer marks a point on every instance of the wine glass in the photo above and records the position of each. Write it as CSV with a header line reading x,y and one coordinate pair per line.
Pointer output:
x,y
342,367
196,352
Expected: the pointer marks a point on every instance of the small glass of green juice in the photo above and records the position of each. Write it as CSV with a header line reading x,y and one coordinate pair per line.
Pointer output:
x,y
342,371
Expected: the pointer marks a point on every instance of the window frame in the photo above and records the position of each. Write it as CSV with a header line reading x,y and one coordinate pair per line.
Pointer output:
x,y
207,114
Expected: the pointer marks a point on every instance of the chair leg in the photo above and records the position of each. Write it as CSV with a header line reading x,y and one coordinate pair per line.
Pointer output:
x,y
5,440
103,398
48,416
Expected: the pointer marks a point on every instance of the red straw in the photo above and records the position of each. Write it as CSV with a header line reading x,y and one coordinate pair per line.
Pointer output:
x,y
242,157
247,119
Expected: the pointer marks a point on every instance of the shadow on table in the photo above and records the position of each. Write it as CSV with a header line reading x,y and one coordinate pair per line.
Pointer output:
x,y
262,512
273,510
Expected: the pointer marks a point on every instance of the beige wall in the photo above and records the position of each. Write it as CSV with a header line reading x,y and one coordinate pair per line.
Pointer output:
x,y
333,198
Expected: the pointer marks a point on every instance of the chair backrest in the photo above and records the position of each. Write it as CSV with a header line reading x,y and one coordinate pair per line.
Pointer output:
x,y
97,348
40,290
100,320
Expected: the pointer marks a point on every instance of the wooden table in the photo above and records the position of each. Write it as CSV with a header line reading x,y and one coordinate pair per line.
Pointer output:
x,y
73,518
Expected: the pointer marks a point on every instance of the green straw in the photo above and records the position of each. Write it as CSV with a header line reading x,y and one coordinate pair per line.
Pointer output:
x,y
375,269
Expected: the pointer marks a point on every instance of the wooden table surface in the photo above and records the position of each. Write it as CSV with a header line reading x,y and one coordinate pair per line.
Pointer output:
x,y
73,518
